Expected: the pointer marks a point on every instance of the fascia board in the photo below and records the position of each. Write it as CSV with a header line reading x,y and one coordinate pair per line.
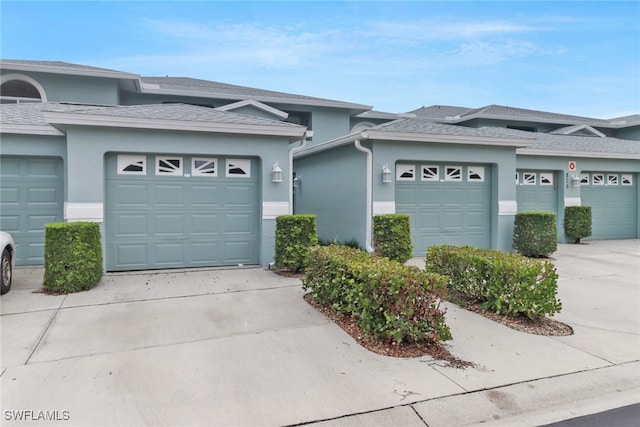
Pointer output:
x,y
30,130
328,145
558,153
70,71
136,123
448,139
273,100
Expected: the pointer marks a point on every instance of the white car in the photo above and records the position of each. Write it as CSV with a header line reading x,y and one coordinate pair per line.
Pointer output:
x,y
8,246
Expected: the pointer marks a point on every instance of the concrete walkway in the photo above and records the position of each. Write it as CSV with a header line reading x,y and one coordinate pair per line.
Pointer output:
x,y
240,347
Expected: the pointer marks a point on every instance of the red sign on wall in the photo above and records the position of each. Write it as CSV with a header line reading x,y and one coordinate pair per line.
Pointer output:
x,y
572,166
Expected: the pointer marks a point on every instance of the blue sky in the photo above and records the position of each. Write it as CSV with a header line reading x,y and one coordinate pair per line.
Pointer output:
x,y
571,57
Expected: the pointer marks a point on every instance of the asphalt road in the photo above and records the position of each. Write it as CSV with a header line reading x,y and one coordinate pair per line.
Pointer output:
x,y
627,416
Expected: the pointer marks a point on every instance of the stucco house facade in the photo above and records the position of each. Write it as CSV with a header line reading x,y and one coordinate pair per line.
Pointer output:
x,y
183,172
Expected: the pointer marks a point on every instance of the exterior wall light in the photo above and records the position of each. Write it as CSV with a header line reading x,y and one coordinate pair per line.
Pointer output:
x,y
276,173
575,180
386,174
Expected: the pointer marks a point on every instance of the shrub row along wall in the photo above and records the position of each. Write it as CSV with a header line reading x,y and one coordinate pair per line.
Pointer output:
x,y
295,234
390,300
503,282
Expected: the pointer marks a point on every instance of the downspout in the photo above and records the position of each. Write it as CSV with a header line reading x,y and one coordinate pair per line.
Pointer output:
x,y
303,143
369,178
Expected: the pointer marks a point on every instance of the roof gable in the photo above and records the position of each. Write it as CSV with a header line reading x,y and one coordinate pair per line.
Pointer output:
x,y
279,114
578,130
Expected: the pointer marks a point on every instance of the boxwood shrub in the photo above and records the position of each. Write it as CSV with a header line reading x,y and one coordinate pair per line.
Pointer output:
x,y
389,300
72,256
392,236
534,234
503,282
577,222
295,234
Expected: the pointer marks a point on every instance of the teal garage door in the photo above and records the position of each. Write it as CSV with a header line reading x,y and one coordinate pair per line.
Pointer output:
x,y
536,191
613,198
181,211
31,195
447,204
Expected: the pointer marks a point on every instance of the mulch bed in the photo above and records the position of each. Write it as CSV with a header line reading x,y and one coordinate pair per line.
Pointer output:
x,y
438,351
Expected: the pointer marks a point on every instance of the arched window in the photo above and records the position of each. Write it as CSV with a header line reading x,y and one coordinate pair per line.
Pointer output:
x,y
16,89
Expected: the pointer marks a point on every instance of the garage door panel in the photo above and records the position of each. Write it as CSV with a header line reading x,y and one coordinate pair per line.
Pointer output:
x,y
169,196
130,255
236,252
205,196
169,253
238,223
205,253
127,195
10,197
169,224
204,224
42,168
128,225
240,196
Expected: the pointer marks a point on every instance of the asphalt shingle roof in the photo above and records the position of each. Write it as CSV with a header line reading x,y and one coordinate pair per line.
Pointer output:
x,y
576,144
212,89
423,126
32,114
439,112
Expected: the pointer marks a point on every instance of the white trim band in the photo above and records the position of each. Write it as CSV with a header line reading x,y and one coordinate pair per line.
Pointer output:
x,y
271,210
84,212
383,208
572,201
507,207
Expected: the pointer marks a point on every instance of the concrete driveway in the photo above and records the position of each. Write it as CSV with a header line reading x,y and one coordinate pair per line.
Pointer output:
x,y
241,347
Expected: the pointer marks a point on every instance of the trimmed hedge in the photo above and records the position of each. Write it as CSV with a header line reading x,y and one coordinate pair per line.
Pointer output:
x,y
390,300
502,282
392,236
295,234
534,234
72,256
577,222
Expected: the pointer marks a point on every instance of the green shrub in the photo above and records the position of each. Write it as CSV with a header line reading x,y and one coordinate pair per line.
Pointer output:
x,y
577,222
295,234
390,300
72,256
500,281
534,234
392,236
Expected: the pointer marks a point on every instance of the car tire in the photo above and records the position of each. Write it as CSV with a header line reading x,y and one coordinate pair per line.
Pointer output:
x,y
6,271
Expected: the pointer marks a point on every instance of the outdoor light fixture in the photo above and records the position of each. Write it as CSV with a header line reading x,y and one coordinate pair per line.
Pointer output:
x,y
296,181
276,173
575,180
386,174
